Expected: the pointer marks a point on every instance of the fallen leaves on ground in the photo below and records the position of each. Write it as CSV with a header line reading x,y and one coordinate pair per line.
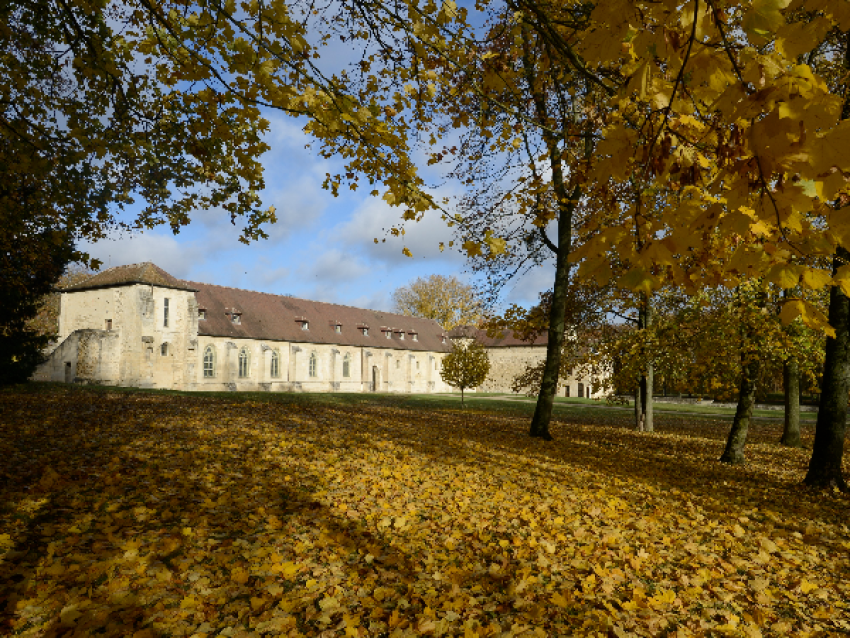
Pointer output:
x,y
142,514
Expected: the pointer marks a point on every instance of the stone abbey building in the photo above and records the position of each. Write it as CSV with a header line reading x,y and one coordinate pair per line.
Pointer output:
x,y
138,326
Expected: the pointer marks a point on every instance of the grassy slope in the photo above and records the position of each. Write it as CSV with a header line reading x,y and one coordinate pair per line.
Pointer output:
x,y
156,513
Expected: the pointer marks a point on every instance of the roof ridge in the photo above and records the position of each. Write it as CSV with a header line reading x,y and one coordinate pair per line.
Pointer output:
x,y
145,272
327,303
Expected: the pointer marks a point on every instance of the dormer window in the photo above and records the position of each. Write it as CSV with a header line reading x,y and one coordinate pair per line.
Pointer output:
x,y
337,328
443,338
202,314
305,325
365,331
415,336
389,334
401,335
236,317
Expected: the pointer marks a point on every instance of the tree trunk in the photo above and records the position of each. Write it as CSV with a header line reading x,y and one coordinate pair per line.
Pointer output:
x,y
646,398
828,450
557,313
791,379
643,414
639,404
567,199
734,452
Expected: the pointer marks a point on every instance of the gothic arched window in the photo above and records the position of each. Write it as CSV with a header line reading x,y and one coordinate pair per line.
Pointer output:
x,y
244,360
313,365
275,370
209,362
346,366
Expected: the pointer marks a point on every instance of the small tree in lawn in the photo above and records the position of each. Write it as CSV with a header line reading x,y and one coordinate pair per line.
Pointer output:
x,y
466,366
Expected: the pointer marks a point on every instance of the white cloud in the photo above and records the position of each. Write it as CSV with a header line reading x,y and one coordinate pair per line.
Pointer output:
x,y
373,219
334,267
378,300
525,290
165,250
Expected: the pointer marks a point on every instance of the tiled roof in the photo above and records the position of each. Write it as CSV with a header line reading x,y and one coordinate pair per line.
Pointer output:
x,y
505,341
278,318
144,273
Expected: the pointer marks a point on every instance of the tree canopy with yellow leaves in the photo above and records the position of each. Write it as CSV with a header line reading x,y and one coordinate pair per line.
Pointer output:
x,y
446,300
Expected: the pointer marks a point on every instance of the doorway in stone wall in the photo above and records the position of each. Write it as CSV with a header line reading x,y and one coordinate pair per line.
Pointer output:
x,y
68,377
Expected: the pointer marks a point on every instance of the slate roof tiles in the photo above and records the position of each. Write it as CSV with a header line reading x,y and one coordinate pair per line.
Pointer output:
x,y
279,318
505,341
144,273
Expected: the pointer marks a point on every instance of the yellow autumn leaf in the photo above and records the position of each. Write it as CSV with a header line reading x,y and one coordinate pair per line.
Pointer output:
x,y
785,275
763,18
559,600
472,248
240,575
815,278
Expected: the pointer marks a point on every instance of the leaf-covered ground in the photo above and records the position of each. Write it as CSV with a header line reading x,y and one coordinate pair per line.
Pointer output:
x,y
145,514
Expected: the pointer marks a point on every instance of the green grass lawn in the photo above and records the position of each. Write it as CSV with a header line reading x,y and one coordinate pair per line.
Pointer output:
x,y
496,402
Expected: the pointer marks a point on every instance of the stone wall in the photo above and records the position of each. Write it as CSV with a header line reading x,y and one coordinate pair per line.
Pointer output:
x,y
85,356
506,363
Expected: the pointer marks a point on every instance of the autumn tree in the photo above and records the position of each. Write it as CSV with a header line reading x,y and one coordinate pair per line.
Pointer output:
x,y
30,264
530,126
466,366
446,300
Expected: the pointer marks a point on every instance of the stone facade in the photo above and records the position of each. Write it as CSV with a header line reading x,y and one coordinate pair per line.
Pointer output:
x,y
138,326
145,349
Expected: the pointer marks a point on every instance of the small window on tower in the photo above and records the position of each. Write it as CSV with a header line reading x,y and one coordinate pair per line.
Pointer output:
x,y
109,324
165,313
163,350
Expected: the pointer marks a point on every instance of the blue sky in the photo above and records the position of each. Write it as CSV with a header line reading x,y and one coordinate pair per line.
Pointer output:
x,y
321,247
